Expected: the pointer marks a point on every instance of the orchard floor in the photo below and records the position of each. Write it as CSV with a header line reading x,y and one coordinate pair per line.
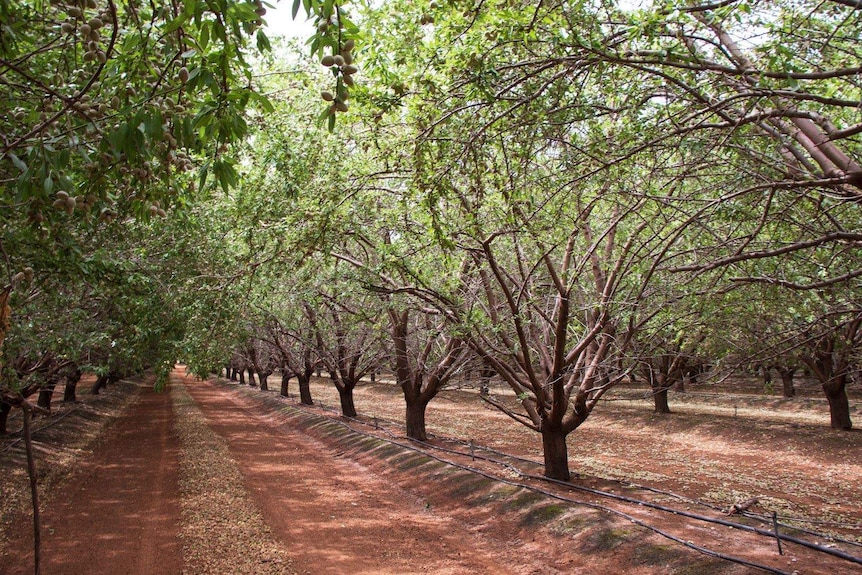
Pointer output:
x,y
213,477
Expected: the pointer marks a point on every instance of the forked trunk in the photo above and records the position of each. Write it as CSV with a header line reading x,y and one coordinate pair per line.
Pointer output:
x,y
839,406
348,408
285,381
556,454
415,420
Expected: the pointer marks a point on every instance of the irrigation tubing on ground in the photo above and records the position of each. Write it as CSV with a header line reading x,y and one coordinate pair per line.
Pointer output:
x,y
760,517
54,422
830,551
636,521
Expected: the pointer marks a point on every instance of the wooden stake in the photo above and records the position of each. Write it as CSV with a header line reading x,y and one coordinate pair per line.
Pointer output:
x,y
34,491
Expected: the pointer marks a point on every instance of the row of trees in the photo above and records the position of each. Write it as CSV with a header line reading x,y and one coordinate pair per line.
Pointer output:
x,y
568,195
576,194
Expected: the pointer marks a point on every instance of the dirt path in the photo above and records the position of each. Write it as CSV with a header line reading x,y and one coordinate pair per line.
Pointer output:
x,y
334,515
212,478
119,513
126,510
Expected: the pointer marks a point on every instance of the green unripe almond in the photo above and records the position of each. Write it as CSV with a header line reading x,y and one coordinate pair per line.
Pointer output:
x,y
348,45
348,57
327,96
350,69
67,28
347,79
328,61
338,59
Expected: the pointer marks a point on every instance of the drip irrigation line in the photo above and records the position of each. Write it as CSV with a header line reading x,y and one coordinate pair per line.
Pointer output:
x,y
54,422
724,522
609,510
731,524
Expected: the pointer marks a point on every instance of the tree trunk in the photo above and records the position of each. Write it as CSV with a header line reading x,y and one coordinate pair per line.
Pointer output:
x,y
839,406
251,380
348,408
262,377
556,454
415,420
787,387
101,383
305,390
659,398
45,395
232,374
70,392
285,380
5,408
241,376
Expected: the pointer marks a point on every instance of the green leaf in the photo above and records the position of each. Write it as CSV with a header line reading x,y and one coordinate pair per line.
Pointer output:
x,y
295,11
263,42
18,163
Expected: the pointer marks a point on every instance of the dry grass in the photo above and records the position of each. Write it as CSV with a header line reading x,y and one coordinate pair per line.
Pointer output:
x,y
222,531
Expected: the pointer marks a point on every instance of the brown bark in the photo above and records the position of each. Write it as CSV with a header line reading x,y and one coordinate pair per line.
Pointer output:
x,y
305,389
556,453
415,419
345,395
787,387
34,491
660,404
101,383
5,408
70,392
285,381
839,406
262,378
251,380
45,395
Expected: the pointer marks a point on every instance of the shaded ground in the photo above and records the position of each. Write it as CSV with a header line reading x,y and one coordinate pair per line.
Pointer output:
x,y
214,478
119,512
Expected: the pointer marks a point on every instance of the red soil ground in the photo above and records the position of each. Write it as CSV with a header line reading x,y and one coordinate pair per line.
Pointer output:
x,y
337,510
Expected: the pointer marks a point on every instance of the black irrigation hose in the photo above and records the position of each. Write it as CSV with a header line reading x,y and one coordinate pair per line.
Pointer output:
x,y
550,494
759,517
54,422
829,551
732,524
